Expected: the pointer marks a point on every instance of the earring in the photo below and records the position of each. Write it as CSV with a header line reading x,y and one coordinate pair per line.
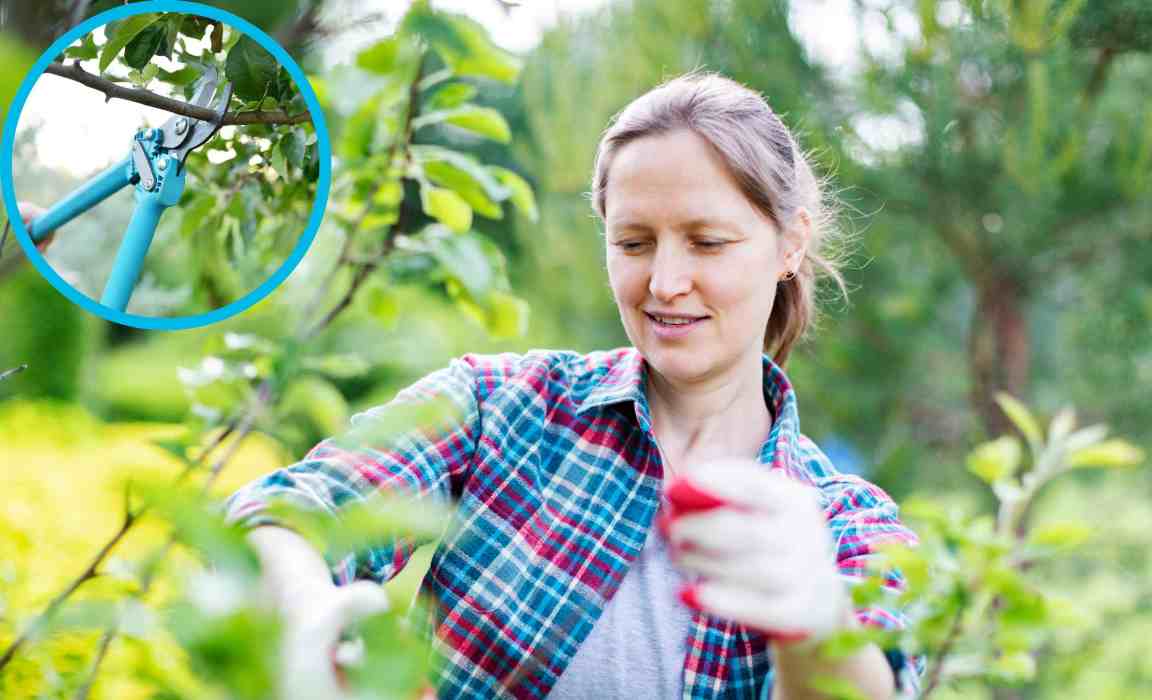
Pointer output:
x,y
787,276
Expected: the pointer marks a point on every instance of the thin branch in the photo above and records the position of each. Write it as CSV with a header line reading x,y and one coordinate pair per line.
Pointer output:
x,y
10,372
936,675
150,99
90,572
363,270
113,630
1099,75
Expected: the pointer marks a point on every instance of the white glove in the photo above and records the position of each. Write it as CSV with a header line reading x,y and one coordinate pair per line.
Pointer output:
x,y
312,655
760,542
314,613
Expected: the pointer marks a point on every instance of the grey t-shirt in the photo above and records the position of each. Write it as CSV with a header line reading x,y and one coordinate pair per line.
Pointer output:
x,y
637,646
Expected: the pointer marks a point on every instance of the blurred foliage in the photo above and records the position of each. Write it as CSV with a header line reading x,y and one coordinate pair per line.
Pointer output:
x,y
976,143
986,593
400,236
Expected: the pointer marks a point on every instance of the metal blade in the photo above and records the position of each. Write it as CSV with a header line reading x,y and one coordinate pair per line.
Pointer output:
x,y
178,130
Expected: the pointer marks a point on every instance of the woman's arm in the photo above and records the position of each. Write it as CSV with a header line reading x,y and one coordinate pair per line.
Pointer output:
x,y
797,665
407,447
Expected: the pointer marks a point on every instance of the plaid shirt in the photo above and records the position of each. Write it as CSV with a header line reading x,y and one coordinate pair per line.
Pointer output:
x,y
556,480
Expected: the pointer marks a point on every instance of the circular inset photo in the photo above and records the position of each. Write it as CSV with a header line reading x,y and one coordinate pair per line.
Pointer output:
x,y
170,168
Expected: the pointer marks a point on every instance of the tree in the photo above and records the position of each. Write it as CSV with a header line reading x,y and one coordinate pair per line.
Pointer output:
x,y
402,214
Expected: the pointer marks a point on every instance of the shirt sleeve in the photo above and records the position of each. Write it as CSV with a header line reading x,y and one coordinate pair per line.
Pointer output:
x,y
420,444
861,516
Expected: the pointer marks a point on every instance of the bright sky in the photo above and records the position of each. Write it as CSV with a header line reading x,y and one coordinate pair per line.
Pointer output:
x,y
81,133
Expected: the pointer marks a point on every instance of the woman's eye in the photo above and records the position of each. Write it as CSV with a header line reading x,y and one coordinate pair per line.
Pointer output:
x,y
630,246
710,245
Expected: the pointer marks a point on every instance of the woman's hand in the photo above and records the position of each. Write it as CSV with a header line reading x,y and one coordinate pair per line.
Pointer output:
x,y
313,657
28,212
314,613
761,545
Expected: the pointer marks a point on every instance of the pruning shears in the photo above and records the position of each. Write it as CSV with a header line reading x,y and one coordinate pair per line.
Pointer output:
x,y
155,165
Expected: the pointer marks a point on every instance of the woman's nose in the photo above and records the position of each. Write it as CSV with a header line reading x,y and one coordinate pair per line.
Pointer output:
x,y
671,274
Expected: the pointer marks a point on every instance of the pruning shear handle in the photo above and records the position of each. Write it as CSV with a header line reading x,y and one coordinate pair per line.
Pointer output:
x,y
155,165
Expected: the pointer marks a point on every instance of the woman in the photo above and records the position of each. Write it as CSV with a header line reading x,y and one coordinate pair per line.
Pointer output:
x,y
557,579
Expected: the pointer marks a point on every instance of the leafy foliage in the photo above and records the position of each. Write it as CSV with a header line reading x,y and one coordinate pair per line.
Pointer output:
x,y
402,212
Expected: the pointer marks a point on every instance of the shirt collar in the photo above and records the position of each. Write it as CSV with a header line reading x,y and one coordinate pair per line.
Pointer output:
x,y
625,380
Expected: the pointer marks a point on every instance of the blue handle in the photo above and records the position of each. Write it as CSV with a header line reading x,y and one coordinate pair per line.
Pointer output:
x,y
134,246
133,249
82,199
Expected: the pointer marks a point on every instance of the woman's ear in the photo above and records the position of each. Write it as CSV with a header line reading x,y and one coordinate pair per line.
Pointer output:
x,y
794,242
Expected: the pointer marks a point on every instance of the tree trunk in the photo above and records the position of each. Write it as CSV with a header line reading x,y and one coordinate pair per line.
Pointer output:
x,y
1000,348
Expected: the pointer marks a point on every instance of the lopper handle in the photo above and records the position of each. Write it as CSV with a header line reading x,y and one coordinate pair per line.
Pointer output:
x,y
133,249
81,200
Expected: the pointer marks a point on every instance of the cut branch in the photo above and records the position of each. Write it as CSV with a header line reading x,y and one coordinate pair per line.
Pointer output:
x,y
150,99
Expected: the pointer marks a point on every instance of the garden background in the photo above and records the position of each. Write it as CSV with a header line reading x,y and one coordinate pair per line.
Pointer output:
x,y
994,162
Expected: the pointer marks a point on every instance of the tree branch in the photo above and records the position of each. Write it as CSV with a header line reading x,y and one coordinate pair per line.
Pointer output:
x,y
364,269
168,104
238,429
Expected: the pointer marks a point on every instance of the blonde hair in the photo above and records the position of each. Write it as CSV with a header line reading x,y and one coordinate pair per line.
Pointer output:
x,y
767,164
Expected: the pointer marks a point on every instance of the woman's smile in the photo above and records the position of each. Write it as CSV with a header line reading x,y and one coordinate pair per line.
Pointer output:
x,y
667,327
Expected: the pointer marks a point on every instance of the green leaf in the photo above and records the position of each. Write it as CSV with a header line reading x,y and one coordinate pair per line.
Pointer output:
x,y
312,163
1016,667
382,302
176,448
356,138
447,207
1019,414
448,175
381,57
185,76
195,212
465,175
318,401
1061,534
507,316
253,71
152,40
389,194
1109,454
338,366
85,51
836,688
195,26
125,32
483,121
451,95
293,146
996,460
149,72
463,44
522,197
464,258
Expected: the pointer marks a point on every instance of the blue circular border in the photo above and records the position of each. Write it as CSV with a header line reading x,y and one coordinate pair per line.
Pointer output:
x,y
7,146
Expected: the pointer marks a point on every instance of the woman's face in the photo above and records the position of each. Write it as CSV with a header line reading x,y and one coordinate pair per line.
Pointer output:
x,y
683,242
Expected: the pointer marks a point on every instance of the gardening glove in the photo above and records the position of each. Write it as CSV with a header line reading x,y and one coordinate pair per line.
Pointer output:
x,y
761,547
313,656
314,614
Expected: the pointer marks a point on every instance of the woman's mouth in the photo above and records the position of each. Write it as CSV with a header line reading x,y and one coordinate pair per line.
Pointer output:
x,y
673,326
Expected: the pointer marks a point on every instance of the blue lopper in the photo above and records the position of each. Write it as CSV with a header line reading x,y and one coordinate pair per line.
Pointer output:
x,y
155,165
